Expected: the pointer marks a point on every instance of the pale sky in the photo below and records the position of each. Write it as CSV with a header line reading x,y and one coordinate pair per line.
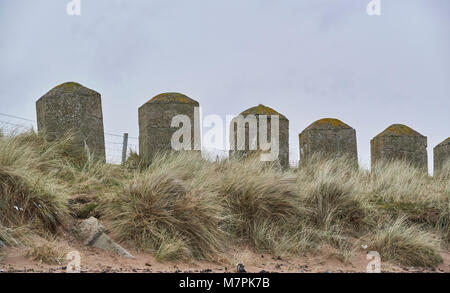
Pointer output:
x,y
307,59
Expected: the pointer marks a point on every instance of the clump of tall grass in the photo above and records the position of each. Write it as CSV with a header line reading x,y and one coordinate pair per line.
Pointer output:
x,y
443,179
48,252
284,240
81,173
160,211
328,189
442,183
133,161
184,206
397,181
94,176
55,155
261,205
190,167
29,192
405,243
397,189
14,236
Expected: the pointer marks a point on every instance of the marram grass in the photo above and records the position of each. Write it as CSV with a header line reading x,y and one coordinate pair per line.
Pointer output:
x,y
183,207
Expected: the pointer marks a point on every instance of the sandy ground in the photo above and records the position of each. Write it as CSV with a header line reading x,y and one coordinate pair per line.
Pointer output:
x,y
94,260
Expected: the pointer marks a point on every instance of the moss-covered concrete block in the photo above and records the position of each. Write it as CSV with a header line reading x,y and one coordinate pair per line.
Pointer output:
x,y
71,107
283,134
328,137
441,155
400,142
155,118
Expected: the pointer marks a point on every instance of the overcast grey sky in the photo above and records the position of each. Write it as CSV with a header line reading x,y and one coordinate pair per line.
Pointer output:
x,y
307,59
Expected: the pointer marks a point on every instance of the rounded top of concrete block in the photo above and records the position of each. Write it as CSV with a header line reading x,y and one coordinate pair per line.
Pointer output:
x,y
172,98
69,85
444,143
70,88
262,110
328,123
399,130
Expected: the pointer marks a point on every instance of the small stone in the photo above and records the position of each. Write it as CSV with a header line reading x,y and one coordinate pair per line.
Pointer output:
x,y
89,230
241,268
92,233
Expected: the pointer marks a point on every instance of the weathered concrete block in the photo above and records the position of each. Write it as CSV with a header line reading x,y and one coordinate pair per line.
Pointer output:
x,y
441,155
283,134
328,137
399,142
90,229
93,234
155,118
71,107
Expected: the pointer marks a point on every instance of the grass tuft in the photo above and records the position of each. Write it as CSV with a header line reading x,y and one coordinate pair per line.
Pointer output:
x,y
30,194
48,252
160,212
407,244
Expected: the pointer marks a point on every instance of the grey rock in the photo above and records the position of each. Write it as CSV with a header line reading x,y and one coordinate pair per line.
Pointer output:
x,y
93,234
106,243
2,244
240,268
90,229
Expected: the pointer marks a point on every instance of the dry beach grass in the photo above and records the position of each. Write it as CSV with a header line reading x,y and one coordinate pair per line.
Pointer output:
x,y
185,208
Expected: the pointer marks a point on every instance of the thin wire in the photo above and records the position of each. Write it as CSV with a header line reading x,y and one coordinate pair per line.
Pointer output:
x,y
118,135
16,117
30,120
13,124
114,154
